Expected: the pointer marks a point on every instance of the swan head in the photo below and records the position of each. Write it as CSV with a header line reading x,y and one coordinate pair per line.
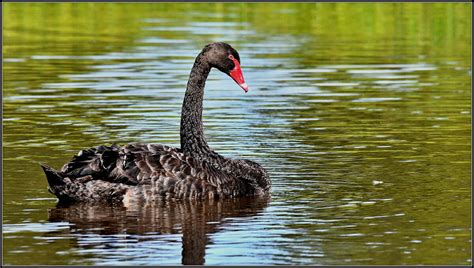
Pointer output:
x,y
227,60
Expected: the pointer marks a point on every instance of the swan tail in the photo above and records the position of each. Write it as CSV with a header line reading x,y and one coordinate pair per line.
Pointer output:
x,y
82,189
53,176
57,182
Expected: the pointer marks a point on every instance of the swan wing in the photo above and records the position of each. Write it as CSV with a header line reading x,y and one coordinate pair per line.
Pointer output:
x,y
160,169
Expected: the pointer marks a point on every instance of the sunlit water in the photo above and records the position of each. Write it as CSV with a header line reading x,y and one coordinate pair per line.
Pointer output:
x,y
360,113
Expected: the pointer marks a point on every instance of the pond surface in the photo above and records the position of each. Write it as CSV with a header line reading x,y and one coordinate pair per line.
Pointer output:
x,y
361,113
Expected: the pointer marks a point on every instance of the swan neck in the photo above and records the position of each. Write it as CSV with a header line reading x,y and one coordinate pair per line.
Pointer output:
x,y
191,131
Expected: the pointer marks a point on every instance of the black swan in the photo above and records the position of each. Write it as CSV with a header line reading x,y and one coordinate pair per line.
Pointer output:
x,y
115,174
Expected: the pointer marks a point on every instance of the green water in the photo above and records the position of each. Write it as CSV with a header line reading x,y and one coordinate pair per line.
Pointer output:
x,y
360,112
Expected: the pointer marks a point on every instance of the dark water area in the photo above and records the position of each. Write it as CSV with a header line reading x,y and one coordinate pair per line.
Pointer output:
x,y
361,113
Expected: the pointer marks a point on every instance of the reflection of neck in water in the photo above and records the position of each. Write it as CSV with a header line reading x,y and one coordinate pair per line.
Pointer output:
x,y
196,219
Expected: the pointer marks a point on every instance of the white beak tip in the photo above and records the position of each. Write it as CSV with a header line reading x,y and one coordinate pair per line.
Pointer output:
x,y
244,87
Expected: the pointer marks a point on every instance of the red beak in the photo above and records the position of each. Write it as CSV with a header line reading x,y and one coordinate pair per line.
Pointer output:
x,y
237,75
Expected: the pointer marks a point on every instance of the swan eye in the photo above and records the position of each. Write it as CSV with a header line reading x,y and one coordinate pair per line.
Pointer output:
x,y
234,60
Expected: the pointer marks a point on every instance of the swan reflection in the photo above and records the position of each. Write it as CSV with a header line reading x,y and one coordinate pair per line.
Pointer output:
x,y
147,221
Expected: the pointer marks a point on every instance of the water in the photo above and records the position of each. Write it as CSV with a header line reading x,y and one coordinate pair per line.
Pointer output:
x,y
360,112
